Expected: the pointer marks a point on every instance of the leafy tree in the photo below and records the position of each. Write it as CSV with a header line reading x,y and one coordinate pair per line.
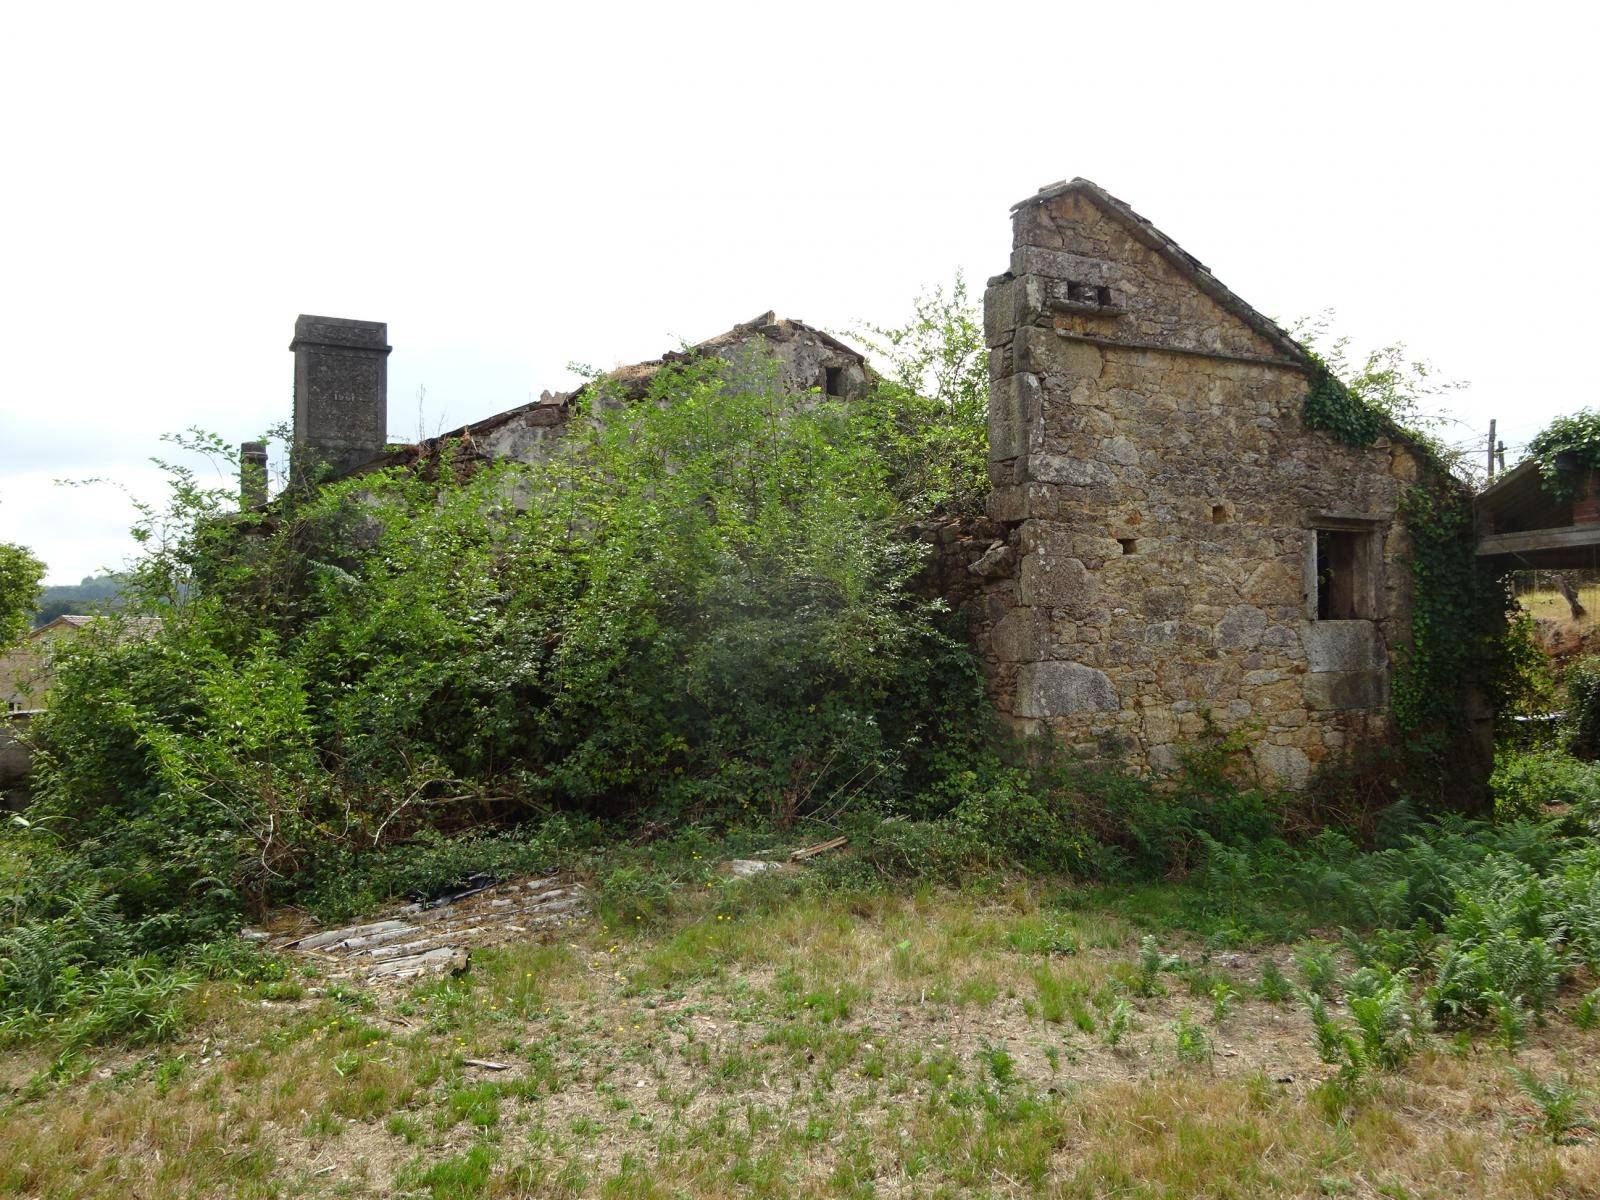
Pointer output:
x,y
927,415
20,574
1359,399
700,607
1571,441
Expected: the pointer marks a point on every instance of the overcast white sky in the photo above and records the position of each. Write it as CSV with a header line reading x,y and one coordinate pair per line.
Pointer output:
x,y
513,190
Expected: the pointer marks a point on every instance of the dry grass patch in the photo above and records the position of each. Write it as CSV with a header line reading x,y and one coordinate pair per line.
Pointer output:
x,y
924,1045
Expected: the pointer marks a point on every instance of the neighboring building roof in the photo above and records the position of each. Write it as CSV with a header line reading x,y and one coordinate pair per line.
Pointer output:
x,y
81,621
1190,266
1518,500
66,620
1519,517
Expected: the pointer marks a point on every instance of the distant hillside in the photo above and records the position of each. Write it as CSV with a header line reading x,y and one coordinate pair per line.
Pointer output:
x,y
96,591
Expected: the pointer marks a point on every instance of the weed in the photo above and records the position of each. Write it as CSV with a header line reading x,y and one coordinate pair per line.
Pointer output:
x,y
1047,936
1388,1025
1274,986
1119,1023
1560,1102
1222,997
1152,962
1193,1044
1586,1012
462,1177
629,896
1511,1018
1062,998
405,1127
1318,970
1001,1065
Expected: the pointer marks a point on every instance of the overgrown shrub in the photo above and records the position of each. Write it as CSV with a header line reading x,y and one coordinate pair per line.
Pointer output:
x,y
701,608
1580,722
1528,785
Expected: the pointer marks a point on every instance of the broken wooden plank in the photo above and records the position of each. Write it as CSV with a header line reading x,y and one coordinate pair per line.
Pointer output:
x,y
316,941
1523,542
450,958
820,848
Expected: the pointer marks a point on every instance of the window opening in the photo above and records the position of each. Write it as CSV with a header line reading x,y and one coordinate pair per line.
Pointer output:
x,y
1344,575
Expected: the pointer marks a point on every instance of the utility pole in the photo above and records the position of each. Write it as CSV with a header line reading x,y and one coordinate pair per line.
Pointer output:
x,y
1491,449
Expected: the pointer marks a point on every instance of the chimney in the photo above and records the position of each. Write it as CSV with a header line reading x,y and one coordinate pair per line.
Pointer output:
x,y
341,396
252,474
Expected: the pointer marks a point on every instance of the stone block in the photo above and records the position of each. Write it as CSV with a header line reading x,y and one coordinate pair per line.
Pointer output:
x,y
1165,758
1058,689
1068,541
1282,766
1160,726
1062,468
1165,603
1014,417
1014,499
1022,635
1241,628
1046,579
1343,646
1060,264
1273,582
1009,304
1330,690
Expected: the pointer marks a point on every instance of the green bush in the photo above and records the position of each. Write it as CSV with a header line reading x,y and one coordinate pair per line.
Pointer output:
x,y
703,608
1528,784
1580,723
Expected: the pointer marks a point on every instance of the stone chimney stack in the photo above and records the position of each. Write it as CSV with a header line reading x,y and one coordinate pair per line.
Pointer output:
x,y
341,395
252,474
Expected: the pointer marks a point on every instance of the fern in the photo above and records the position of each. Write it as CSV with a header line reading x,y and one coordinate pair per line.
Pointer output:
x,y
1559,1099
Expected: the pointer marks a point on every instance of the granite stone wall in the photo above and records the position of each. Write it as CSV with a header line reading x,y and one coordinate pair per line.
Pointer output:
x,y
1160,500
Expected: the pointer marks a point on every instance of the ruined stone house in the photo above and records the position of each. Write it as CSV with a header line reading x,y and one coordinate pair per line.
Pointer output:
x,y
1181,548
1168,545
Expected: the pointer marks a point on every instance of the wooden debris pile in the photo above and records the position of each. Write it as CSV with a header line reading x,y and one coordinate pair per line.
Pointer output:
x,y
437,936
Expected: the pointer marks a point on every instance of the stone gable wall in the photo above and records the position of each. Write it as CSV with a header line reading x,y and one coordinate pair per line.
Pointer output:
x,y
1158,494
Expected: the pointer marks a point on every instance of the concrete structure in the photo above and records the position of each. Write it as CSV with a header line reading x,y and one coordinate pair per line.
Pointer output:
x,y
16,760
1179,547
252,474
341,396
24,685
